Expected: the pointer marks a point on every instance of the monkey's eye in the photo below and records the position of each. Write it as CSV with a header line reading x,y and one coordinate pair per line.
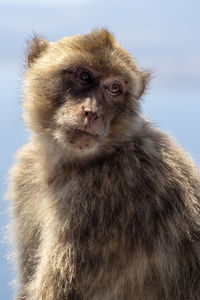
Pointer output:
x,y
84,76
114,89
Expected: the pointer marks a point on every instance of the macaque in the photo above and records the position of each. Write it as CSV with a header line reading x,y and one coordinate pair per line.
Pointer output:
x,y
104,206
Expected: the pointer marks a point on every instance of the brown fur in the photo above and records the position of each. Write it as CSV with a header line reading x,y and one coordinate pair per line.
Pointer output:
x,y
111,217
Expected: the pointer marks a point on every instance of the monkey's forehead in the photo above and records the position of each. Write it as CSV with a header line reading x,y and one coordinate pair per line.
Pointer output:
x,y
98,50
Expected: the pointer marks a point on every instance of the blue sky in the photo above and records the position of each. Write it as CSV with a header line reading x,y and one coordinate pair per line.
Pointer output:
x,y
162,35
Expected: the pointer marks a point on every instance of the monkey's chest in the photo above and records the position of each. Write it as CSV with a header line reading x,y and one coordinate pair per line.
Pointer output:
x,y
99,216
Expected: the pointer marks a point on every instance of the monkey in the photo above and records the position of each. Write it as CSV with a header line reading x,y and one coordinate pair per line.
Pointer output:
x,y
104,206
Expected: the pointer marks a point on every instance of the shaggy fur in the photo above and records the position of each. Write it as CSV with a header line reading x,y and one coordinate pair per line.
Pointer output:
x,y
113,218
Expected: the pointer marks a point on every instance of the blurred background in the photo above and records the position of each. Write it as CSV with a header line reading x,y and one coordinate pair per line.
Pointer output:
x,y
162,35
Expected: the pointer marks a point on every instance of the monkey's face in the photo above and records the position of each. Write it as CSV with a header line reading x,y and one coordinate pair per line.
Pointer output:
x,y
88,106
82,92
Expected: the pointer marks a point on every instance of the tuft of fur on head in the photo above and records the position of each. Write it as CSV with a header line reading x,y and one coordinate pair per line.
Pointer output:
x,y
36,47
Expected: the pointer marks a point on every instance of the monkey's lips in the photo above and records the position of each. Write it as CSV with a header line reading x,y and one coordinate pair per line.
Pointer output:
x,y
83,139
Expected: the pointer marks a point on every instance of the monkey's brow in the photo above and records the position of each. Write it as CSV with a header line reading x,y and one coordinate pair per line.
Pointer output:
x,y
75,67
68,70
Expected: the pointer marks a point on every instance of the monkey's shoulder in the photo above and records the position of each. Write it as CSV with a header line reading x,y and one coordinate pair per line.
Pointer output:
x,y
25,175
152,163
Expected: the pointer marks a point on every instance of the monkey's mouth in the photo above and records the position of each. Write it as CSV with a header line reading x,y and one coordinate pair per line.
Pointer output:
x,y
80,138
83,140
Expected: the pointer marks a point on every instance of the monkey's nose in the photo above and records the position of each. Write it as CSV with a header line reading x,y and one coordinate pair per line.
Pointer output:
x,y
90,114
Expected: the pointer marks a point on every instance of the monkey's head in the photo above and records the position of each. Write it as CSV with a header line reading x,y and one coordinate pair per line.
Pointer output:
x,y
81,92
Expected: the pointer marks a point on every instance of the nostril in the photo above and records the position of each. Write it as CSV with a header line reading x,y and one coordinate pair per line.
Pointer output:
x,y
90,114
93,115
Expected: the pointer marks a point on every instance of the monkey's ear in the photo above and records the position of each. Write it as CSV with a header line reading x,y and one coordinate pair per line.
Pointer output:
x,y
145,78
35,48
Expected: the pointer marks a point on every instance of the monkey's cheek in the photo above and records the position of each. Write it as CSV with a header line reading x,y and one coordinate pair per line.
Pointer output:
x,y
84,142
